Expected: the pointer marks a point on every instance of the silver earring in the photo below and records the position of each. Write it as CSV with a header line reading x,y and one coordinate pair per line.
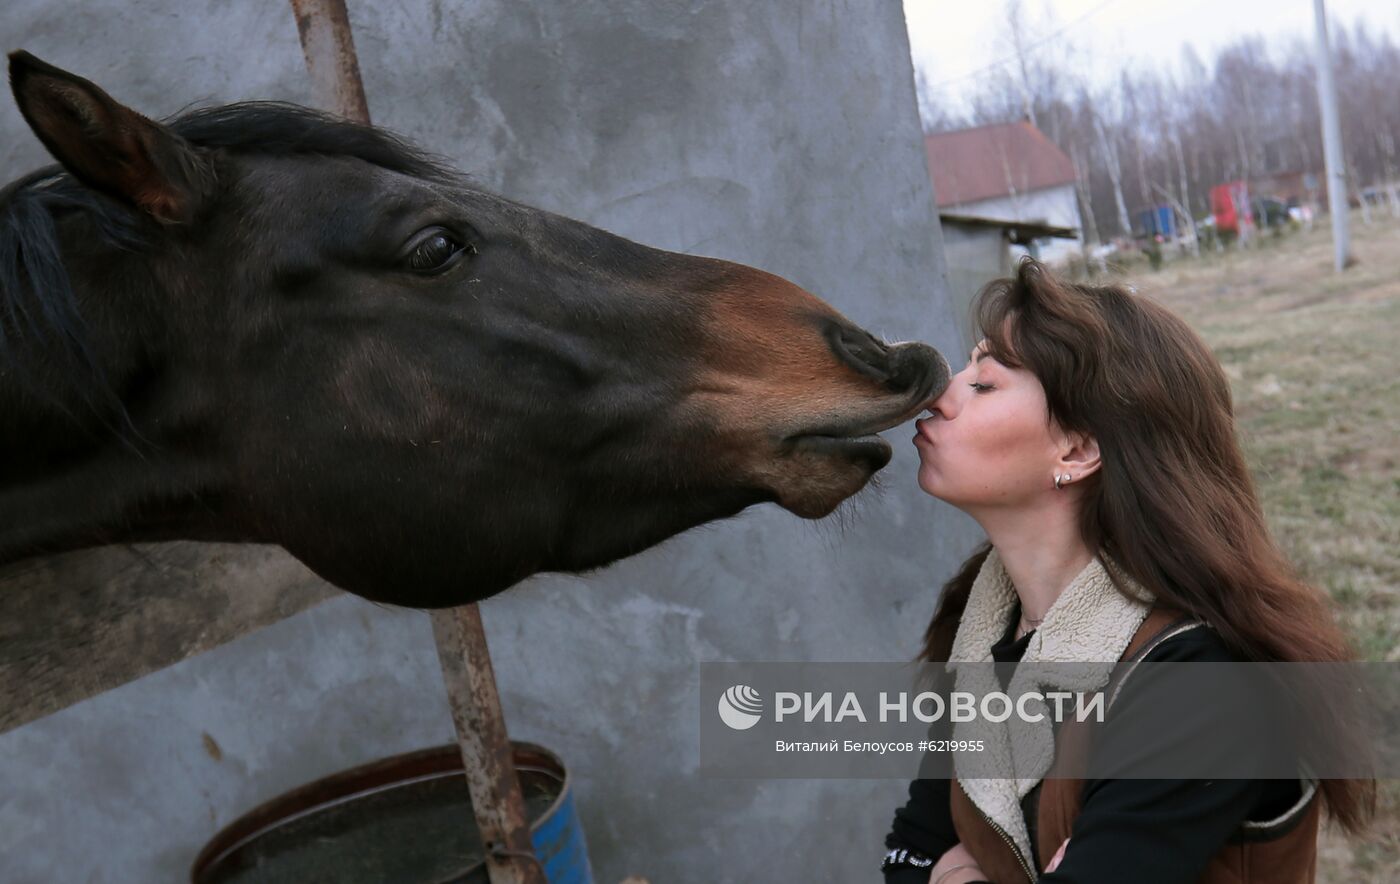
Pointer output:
x,y
1058,479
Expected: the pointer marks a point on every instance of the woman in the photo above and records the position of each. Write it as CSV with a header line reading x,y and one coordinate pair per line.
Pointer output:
x,y
1092,437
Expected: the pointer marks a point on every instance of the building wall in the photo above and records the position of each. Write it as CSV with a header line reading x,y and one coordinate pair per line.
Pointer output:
x,y
783,134
1052,205
975,256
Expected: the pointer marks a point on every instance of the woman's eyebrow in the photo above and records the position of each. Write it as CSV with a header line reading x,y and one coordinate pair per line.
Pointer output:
x,y
987,355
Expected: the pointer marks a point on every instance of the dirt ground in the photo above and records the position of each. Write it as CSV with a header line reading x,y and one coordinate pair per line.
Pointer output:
x,y
1314,360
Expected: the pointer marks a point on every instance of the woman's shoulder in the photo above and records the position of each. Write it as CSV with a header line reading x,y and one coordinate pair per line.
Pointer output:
x,y
1200,643
1209,692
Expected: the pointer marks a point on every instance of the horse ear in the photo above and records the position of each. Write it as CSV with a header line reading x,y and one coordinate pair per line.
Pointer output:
x,y
109,146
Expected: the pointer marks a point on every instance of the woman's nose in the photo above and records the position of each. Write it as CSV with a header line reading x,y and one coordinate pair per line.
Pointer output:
x,y
942,405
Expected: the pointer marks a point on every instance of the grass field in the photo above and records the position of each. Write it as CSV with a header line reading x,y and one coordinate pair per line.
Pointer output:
x,y
1314,360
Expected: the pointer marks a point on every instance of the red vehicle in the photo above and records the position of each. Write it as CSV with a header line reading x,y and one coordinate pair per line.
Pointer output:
x,y
1229,202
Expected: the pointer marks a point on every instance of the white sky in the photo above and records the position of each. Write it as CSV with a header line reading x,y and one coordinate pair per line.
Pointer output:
x,y
952,39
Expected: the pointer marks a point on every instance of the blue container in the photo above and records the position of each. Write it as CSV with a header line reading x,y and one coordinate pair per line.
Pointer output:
x,y
1157,221
558,840
406,819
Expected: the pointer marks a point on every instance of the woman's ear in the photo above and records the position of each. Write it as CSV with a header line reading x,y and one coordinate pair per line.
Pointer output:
x,y
1079,456
107,145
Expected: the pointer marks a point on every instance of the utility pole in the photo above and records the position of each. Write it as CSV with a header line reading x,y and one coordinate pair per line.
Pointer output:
x,y
1332,154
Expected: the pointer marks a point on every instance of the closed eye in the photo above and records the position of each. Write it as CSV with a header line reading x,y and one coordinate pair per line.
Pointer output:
x,y
981,388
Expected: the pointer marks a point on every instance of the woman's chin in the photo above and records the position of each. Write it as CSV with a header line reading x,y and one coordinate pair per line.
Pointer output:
x,y
928,481
932,485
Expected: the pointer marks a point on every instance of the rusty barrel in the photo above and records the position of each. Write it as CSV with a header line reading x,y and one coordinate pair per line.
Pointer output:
x,y
406,819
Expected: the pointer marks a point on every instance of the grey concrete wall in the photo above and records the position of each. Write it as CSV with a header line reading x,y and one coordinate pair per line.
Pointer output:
x,y
782,134
974,257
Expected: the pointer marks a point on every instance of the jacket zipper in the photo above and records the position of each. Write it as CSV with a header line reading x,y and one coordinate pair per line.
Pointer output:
x,y
1015,851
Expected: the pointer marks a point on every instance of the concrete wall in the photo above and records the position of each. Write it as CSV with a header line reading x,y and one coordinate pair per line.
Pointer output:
x,y
783,134
975,255
1051,205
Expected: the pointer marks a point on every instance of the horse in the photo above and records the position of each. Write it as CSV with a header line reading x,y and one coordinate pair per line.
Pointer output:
x,y
260,323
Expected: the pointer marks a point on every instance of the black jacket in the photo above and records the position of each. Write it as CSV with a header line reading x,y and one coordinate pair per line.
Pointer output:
x,y
1137,830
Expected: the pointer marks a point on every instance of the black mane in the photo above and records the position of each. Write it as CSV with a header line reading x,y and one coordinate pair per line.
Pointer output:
x,y
37,303
281,128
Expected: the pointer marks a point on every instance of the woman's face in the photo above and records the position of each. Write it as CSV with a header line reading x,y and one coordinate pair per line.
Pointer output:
x,y
988,441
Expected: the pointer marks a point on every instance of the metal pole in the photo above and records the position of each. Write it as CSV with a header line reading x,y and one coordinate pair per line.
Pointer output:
x,y
486,751
1332,154
329,47
487,756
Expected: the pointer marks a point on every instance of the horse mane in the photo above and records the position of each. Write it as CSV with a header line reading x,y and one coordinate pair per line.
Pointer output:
x,y
37,302
281,128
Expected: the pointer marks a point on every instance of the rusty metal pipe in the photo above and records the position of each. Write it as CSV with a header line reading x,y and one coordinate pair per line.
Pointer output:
x,y
486,750
329,47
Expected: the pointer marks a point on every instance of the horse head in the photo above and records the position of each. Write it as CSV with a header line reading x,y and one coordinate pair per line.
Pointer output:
x,y
261,323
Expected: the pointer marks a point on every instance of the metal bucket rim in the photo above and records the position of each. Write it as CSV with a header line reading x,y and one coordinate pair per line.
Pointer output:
x,y
368,779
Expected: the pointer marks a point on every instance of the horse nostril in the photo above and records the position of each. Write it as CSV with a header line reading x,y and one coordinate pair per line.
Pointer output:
x,y
861,351
919,367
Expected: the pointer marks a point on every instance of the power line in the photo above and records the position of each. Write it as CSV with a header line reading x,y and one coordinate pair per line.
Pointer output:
x,y
1028,49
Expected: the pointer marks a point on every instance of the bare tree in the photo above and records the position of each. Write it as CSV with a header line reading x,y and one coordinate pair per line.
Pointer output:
x,y
1109,152
1249,113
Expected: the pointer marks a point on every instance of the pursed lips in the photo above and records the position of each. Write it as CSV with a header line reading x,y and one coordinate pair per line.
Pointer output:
x,y
924,430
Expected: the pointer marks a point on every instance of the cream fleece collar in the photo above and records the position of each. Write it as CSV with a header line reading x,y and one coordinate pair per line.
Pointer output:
x,y
1090,622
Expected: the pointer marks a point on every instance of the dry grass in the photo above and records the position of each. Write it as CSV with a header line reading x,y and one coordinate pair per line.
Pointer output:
x,y
1314,361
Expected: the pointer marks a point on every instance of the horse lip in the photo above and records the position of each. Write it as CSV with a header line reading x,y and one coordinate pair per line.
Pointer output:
x,y
865,429
872,449
837,437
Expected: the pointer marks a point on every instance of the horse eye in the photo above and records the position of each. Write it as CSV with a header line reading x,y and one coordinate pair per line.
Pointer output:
x,y
437,253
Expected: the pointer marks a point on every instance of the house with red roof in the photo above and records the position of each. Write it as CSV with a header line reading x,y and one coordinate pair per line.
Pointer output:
x,y
1007,172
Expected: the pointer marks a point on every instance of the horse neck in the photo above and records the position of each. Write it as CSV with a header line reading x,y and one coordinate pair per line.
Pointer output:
x,y
74,475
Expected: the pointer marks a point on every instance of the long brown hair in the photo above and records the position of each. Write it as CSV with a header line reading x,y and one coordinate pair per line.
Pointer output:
x,y
1173,503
